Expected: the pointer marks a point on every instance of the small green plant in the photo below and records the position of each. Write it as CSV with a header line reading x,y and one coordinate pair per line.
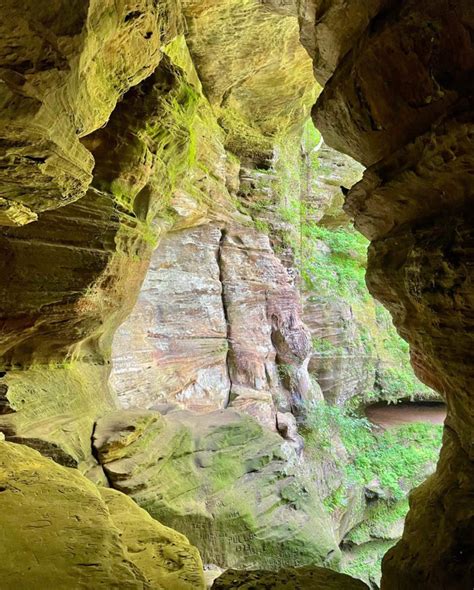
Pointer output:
x,y
379,519
326,351
324,347
333,261
291,212
284,371
365,561
262,226
337,499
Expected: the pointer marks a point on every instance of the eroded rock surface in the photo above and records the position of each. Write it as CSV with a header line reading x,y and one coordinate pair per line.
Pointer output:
x,y
409,68
234,488
310,578
217,323
446,499
174,344
116,137
61,80
65,289
72,276
242,52
118,118
60,531
269,344
401,102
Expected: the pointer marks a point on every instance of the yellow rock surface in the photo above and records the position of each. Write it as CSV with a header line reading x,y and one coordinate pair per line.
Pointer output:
x,y
59,531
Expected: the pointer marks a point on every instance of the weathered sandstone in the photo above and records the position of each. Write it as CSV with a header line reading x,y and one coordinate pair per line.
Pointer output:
x,y
136,131
217,323
310,578
235,489
401,102
60,531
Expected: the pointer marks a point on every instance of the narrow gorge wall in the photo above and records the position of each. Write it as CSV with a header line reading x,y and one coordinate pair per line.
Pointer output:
x,y
159,162
216,317
127,148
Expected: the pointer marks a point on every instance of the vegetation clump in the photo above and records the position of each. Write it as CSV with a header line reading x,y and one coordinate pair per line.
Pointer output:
x,y
333,261
396,458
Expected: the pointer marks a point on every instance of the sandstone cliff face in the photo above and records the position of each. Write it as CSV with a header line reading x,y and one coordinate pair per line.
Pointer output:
x,y
217,325
61,81
159,162
218,316
243,51
356,355
113,157
173,346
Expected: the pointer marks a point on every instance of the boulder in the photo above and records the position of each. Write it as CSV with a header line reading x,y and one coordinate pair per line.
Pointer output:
x,y
235,489
305,578
58,530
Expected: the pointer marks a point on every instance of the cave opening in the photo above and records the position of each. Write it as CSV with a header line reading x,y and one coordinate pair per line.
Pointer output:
x,y
316,360
229,352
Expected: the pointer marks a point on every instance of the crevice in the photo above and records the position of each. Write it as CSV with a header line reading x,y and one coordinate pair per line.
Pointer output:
x,y
95,454
46,448
134,14
224,310
5,405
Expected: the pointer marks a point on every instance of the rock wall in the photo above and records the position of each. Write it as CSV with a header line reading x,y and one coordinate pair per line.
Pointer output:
x,y
173,346
234,488
400,102
303,578
125,126
215,319
61,81
59,530
116,141
153,159
217,326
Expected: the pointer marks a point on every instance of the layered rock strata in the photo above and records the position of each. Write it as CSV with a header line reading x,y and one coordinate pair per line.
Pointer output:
x,y
122,148
217,323
173,346
115,133
61,79
119,121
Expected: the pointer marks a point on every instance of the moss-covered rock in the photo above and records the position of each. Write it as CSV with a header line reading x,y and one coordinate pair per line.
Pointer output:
x,y
61,89
71,277
243,51
75,275
234,488
53,407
